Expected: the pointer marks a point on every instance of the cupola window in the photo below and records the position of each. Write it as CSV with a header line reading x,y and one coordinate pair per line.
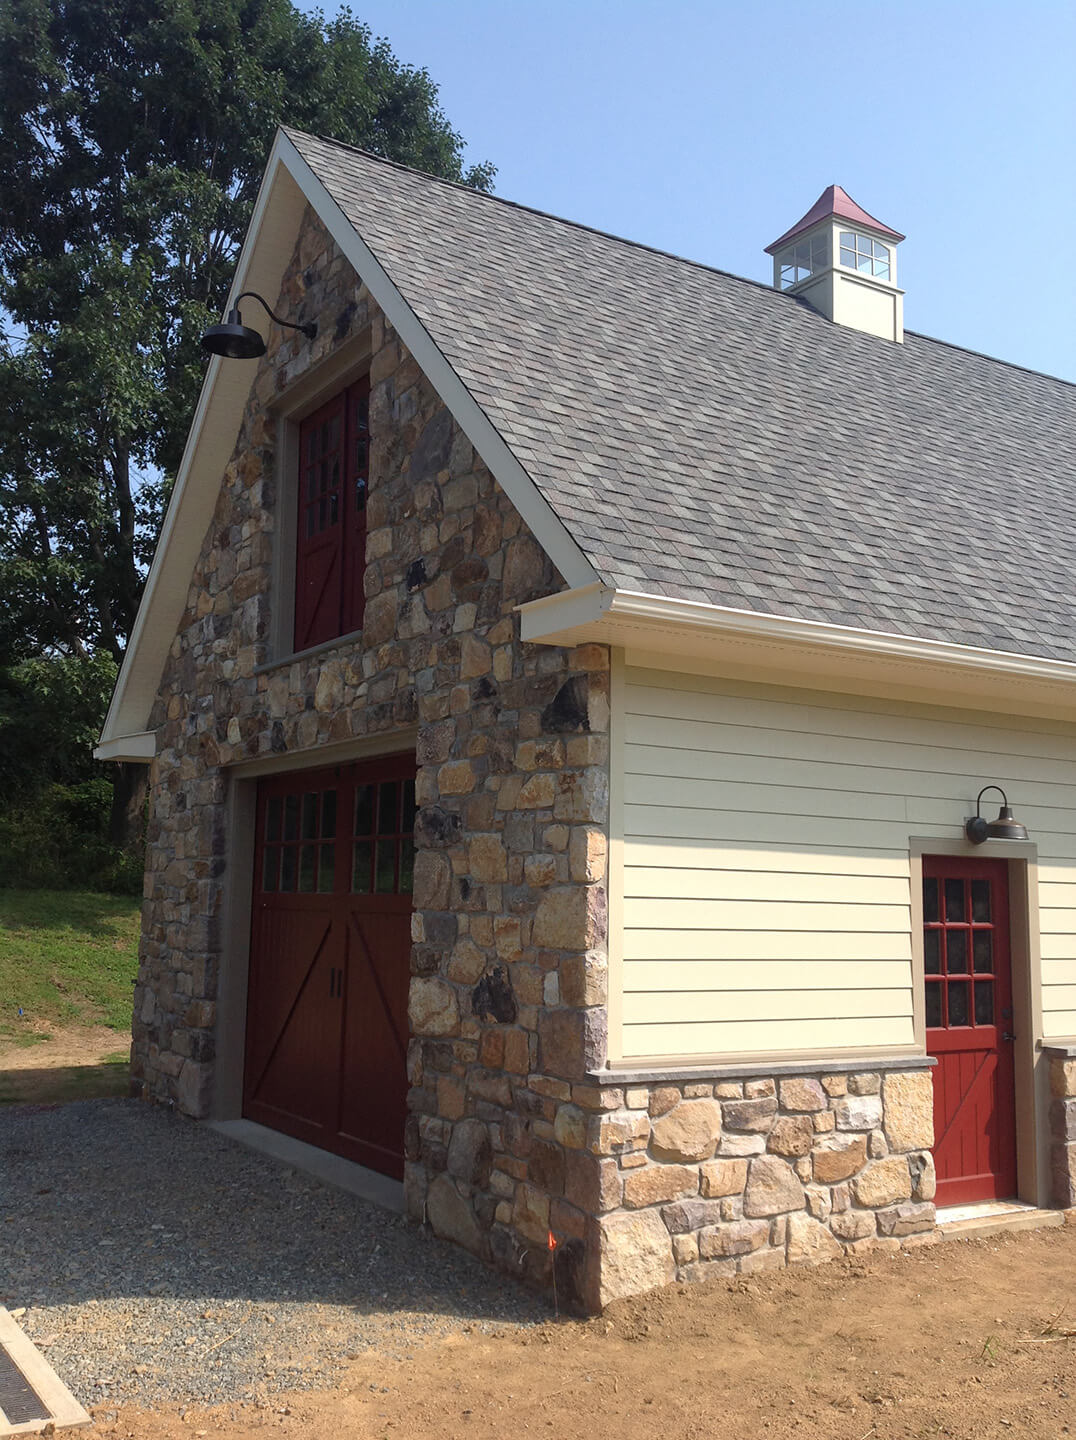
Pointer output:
x,y
803,259
860,252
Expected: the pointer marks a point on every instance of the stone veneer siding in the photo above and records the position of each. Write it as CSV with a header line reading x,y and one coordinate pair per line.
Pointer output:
x,y
508,962
732,1176
1062,1062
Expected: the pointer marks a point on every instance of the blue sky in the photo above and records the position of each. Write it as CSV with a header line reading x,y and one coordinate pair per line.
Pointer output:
x,y
708,128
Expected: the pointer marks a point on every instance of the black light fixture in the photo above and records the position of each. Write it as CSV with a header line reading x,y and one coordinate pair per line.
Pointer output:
x,y
236,341
1005,827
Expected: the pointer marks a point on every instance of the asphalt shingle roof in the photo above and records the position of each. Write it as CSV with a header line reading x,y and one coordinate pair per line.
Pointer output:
x,y
706,438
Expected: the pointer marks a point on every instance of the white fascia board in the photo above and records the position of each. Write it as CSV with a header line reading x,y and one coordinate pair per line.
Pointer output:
x,y
803,652
289,184
138,749
270,240
545,526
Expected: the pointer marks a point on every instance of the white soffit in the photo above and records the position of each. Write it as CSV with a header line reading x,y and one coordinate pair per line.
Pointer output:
x,y
289,184
663,633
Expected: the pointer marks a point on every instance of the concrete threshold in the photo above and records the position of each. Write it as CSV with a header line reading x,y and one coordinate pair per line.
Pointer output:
x,y
994,1217
330,1169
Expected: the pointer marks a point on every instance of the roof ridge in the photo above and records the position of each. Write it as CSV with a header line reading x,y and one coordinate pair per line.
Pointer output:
x,y
762,285
994,359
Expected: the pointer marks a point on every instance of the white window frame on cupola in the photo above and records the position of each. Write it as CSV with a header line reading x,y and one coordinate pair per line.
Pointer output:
x,y
866,255
807,255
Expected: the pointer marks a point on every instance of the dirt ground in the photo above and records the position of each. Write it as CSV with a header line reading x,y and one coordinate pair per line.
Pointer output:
x,y
969,1339
70,1065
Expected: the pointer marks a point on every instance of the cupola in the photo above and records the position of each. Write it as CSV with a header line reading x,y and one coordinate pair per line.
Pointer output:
x,y
843,262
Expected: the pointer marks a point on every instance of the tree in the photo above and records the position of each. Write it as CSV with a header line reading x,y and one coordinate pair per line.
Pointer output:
x,y
132,137
133,134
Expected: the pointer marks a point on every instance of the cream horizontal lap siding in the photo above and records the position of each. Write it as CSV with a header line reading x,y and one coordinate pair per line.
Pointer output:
x,y
766,869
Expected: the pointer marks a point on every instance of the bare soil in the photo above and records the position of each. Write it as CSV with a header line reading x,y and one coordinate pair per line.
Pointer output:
x,y
71,1064
968,1339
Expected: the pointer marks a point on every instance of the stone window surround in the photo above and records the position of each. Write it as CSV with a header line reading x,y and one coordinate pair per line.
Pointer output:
x,y
347,363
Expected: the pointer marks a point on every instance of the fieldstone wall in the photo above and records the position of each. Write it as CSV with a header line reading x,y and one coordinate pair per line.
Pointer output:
x,y
1062,1063
728,1177
508,963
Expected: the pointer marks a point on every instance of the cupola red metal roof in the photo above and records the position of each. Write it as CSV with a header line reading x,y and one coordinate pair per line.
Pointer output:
x,y
834,201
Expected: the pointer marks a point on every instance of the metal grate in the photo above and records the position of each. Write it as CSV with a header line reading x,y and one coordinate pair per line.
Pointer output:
x,y
19,1401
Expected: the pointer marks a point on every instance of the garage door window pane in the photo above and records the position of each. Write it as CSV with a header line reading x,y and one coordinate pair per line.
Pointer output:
x,y
364,810
270,866
385,876
328,815
387,807
326,869
310,816
407,865
287,868
308,868
360,867
272,818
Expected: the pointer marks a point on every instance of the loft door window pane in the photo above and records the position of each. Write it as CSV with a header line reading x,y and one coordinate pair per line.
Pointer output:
x,y
932,951
291,817
954,900
983,950
956,952
930,901
980,901
272,818
934,1006
984,1002
958,1002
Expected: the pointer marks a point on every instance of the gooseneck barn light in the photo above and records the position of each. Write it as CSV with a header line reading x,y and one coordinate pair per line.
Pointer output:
x,y
236,341
1005,827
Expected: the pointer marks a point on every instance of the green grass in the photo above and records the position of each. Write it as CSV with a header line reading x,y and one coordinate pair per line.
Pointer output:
x,y
67,957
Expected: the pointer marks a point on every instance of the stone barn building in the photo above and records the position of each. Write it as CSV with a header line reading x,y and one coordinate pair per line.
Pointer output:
x,y
566,677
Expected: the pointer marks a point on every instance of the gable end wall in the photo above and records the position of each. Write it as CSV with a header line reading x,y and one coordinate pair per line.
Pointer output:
x,y
512,753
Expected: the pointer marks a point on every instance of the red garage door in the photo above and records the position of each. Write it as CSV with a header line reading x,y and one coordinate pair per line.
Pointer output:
x,y
969,1027
329,963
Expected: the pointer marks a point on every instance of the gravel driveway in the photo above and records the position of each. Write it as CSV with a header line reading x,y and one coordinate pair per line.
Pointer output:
x,y
159,1261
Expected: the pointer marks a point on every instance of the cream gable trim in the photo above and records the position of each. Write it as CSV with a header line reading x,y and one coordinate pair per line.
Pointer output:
x,y
743,644
289,184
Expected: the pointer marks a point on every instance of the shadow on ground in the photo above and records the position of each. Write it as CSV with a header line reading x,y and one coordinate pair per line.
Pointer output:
x,y
108,1199
60,1083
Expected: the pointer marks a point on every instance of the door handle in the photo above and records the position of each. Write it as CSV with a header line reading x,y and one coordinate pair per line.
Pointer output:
x,y
1007,1035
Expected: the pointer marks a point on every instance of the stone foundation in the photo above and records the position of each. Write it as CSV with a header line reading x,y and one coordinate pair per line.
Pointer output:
x,y
1062,1062
715,1177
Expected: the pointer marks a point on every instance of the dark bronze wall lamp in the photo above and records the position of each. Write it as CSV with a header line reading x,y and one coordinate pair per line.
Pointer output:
x,y
236,341
1005,827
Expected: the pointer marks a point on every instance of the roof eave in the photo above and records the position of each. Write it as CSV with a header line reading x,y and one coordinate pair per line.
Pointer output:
x,y
666,633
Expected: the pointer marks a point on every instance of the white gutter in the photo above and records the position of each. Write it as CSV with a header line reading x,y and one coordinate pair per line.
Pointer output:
x,y
794,648
139,748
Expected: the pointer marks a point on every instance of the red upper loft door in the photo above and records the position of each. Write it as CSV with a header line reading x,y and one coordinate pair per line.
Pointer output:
x,y
968,978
